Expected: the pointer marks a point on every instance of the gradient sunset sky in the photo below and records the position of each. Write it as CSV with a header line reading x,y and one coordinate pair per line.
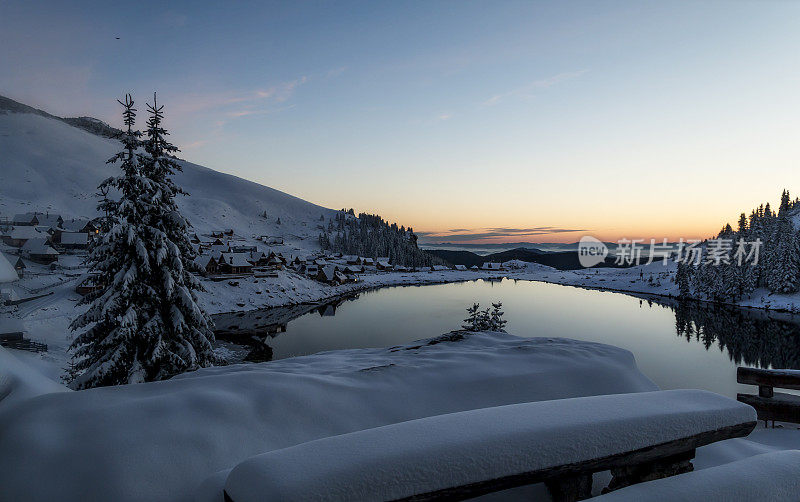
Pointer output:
x,y
493,121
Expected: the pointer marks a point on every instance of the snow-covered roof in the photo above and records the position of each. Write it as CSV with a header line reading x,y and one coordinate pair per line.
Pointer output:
x,y
439,268
237,259
24,232
38,246
461,267
328,272
49,220
491,266
74,238
75,225
7,272
24,218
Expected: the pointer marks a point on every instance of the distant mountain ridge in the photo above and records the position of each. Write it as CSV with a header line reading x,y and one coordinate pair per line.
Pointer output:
x,y
561,260
89,124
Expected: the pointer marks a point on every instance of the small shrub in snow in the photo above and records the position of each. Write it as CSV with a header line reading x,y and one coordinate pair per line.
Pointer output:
x,y
485,320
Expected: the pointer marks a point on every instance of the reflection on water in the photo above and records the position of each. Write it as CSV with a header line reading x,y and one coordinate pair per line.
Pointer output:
x,y
751,338
655,330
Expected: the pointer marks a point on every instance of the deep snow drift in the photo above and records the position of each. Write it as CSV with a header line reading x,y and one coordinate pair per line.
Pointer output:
x,y
159,441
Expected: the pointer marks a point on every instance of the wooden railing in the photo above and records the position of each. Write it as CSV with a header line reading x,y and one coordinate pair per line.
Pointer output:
x,y
771,405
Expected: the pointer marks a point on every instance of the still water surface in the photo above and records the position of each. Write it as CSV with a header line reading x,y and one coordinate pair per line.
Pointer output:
x,y
678,345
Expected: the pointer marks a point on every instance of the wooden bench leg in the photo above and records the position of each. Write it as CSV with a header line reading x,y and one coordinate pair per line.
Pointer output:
x,y
657,469
570,488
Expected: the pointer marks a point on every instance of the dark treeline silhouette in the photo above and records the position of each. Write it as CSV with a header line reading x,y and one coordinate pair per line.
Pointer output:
x,y
371,236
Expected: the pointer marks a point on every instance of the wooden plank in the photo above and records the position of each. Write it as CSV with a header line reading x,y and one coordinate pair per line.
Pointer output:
x,y
769,378
621,460
781,407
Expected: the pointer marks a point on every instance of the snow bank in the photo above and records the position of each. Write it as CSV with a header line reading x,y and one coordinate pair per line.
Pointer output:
x,y
434,453
160,441
771,476
19,381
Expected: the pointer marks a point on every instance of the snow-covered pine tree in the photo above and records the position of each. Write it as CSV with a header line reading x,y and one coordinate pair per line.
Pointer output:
x,y
136,327
186,339
784,272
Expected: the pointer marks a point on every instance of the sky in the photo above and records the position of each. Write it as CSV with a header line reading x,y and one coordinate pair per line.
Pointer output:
x,y
471,121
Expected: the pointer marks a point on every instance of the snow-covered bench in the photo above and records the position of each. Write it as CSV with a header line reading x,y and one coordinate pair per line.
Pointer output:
x,y
639,437
771,476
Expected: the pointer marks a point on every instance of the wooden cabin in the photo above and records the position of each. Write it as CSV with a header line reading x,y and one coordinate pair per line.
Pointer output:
x,y
235,263
39,251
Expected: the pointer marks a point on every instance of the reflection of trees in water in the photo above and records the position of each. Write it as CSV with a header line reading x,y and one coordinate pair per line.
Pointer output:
x,y
751,338
255,328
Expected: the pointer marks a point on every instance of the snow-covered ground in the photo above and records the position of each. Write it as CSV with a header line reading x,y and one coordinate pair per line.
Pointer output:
x,y
47,319
174,440
48,165
160,441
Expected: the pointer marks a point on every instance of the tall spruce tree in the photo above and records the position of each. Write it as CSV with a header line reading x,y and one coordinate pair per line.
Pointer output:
x,y
144,324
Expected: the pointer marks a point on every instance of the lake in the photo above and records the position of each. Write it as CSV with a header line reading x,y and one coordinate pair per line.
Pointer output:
x,y
676,344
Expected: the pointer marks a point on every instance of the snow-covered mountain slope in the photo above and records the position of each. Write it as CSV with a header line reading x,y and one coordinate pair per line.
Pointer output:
x,y
46,164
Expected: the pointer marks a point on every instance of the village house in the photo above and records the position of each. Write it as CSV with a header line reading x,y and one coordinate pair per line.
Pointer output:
x,y
274,262
82,225
310,269
369,262
439,268
353,269
74,240
39,251
352,259
49,220
474,268
383,264
235,263
258,258
18,236
400,268
461,267
25,219
217,249
207,263
493,266
331,275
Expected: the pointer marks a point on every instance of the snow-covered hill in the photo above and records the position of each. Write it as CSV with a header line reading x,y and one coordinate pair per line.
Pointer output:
x,y
49,165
